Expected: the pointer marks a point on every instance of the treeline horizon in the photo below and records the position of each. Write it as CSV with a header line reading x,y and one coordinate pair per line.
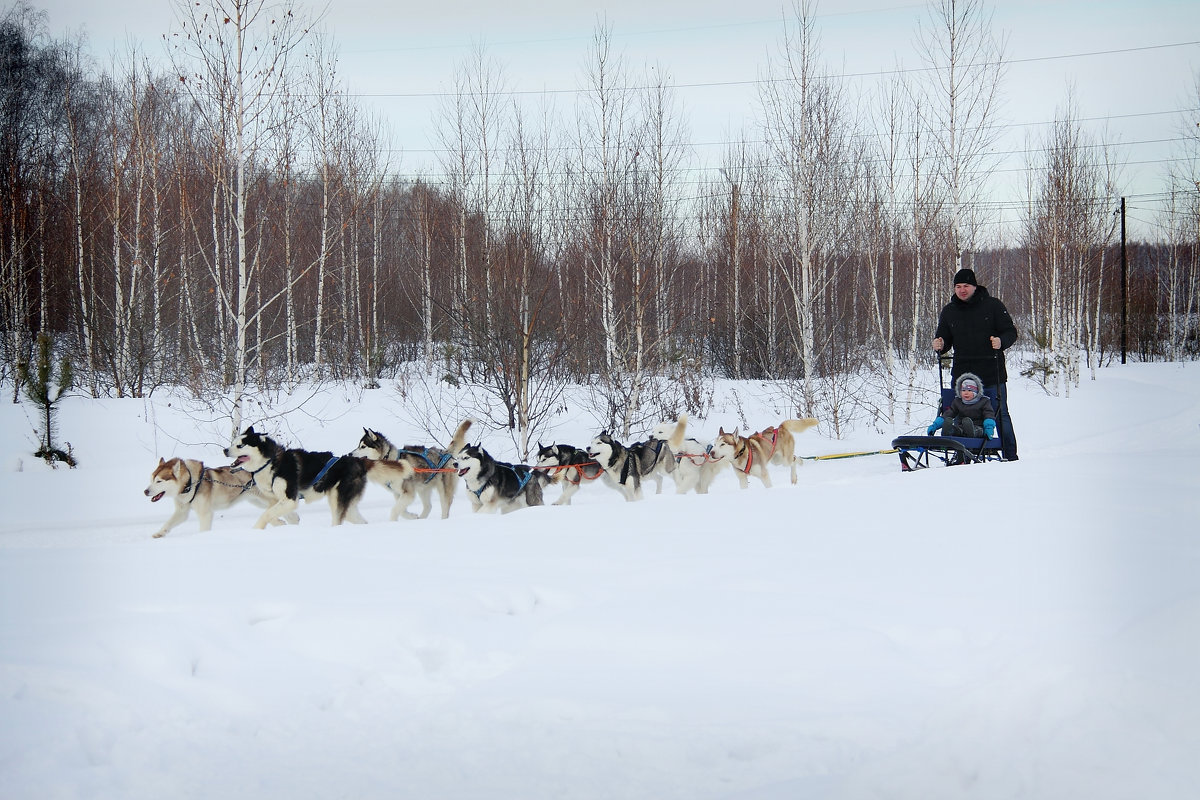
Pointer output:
x,y
232,219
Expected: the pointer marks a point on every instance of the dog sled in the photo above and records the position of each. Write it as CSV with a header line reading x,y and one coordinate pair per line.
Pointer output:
x,y
920,452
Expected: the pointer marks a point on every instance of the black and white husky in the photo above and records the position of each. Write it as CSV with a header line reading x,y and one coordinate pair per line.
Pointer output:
x,y
431,470
496,485
287,475
568,466
695,465
625,467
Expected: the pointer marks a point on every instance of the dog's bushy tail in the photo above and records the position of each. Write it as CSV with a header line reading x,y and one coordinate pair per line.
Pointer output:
x,y
675,442
459,440
799,425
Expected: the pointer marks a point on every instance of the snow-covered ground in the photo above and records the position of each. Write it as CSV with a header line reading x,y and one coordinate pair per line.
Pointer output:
x,y
996,631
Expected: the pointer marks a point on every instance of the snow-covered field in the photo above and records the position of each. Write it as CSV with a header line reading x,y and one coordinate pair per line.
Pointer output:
x,y
996,631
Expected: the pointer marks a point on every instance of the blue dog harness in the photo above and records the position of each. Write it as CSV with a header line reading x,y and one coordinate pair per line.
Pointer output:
x,y
325,469
522,477
424,456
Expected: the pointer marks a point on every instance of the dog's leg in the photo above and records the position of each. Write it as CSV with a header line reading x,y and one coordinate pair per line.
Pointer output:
x,y
426,493
205,516
353,514
447,483
764,473
179,515
337,509
408,493
569,488
282,508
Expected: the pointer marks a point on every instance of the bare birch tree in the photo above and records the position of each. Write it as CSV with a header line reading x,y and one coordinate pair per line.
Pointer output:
x,y
233,57
966,65
603,153
807,132
1071,228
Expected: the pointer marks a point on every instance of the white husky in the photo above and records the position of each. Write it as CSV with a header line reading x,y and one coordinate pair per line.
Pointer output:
x,y
695,465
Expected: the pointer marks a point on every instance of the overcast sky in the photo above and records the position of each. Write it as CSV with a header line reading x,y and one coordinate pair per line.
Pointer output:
x,y
1129,63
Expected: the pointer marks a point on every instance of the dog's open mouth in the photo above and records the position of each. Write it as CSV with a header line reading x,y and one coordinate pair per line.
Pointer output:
x,y
157,497
242,459
462,472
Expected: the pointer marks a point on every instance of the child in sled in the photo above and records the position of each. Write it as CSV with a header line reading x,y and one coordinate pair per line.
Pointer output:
x,y
970,413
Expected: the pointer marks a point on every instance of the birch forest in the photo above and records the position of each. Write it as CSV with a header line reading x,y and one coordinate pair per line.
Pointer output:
x,y
226,217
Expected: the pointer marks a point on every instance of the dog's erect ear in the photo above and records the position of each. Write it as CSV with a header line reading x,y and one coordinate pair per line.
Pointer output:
x,y
178,469
161,461
249,431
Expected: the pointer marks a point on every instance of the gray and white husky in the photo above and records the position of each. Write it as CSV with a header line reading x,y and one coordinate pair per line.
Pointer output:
x,y
625,467
430,465
497,485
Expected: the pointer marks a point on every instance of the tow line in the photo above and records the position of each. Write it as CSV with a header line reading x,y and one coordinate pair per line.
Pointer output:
x,y
833,456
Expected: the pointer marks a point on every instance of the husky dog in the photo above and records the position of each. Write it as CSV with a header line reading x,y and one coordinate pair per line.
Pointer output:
x,y
430,470
391,475
287,475
195,487
751,454
568,465
626,467
495,485
695,465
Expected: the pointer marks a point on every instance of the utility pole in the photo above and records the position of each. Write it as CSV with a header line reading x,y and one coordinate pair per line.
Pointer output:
x,y
1124,284
736,266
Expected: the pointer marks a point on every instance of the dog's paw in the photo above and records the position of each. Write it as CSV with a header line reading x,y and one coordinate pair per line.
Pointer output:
x,y
160,534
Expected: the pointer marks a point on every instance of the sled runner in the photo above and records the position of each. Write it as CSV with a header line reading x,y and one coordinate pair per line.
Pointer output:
x,y
919,452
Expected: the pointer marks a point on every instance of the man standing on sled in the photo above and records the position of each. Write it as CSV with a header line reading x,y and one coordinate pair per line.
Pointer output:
x,y
979,329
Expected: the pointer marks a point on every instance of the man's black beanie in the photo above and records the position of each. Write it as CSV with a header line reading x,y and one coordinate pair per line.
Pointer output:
x,y
965,276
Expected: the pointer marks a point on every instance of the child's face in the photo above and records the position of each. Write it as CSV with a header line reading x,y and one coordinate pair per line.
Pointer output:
x,y
968,393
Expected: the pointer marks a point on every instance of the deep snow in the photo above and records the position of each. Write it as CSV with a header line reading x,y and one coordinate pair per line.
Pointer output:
x,y
995,631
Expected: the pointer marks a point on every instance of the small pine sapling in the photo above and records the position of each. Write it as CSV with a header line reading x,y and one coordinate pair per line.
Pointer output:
x,y
44,389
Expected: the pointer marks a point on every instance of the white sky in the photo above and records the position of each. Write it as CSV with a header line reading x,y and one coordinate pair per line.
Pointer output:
x,y
397,55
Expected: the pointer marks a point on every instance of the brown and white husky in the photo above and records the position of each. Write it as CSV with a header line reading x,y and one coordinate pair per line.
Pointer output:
x,y
750,455
195,487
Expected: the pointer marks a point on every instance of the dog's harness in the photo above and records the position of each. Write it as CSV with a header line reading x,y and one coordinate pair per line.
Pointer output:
x,y
579,467
195,490
433,469
245,487
705,458
326,468
750,453
522,475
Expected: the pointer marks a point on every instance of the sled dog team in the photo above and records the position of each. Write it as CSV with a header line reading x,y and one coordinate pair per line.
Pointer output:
x,y
276,478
